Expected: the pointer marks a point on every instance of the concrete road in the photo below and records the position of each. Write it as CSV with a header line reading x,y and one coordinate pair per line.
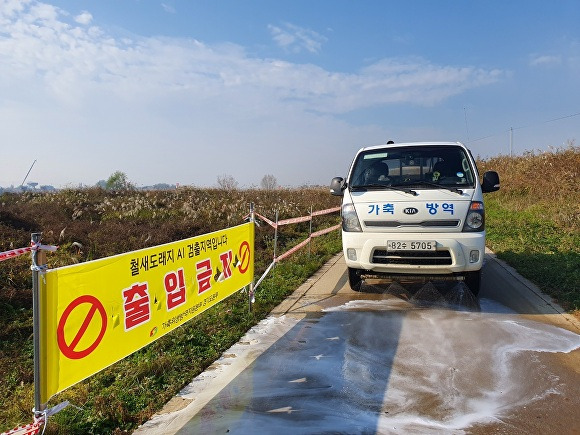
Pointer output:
x,y
393,359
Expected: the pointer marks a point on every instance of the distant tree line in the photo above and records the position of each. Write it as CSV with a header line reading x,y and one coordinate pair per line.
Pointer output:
x,y
118,180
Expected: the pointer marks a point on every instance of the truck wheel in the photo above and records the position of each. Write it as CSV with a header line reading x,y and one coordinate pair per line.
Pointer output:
x,y
354,279
473,281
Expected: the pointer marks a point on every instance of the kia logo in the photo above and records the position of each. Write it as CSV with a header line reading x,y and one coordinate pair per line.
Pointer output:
x,y
410,210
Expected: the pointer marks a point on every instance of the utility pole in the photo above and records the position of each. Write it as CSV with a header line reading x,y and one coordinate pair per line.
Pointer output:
x,y
511,140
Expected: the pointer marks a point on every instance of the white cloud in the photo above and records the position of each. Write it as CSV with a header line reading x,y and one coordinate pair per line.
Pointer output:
x,y
296,39
566,56
163,100
70,63
84,18
168,8
545,60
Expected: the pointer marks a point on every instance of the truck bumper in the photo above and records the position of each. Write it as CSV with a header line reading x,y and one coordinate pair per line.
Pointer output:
x,y
455,253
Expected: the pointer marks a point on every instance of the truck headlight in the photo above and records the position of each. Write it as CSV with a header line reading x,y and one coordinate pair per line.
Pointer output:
x,y
475,219
350,220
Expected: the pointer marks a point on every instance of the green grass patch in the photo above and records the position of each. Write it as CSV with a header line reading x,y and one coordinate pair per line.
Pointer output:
x,y
119,398
537,248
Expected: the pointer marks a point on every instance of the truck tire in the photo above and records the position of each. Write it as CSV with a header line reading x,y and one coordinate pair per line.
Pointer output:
x,y
473,281
354,279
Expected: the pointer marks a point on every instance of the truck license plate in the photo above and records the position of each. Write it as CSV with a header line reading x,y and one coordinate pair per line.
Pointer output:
x,y
411,245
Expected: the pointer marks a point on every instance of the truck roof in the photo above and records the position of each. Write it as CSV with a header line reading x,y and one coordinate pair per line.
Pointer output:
x,y
412,144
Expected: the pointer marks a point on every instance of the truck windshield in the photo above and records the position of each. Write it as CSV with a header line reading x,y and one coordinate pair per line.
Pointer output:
x,y
426,167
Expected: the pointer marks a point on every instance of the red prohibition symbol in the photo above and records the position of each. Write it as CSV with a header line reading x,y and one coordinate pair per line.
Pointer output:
x,y
69,349
244,252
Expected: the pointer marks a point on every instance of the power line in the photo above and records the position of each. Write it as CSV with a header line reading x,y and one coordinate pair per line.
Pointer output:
x,y
546,122
524,126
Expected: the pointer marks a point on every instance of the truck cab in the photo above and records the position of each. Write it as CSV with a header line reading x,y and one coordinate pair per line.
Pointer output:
x,y
414,210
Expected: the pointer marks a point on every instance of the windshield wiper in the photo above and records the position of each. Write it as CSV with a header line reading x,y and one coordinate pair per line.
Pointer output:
x,y
364,187
438,186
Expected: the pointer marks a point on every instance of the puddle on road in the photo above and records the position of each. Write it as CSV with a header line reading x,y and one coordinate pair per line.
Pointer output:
x,y
456,369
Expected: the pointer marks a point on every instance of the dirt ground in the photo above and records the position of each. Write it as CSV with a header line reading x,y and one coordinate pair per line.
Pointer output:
x,y
553,414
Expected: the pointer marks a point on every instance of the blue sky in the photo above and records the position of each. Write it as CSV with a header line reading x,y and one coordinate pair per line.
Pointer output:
x,y
184,91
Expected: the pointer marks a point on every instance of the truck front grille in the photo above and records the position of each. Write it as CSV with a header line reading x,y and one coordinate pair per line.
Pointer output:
x,y
414,258
443,223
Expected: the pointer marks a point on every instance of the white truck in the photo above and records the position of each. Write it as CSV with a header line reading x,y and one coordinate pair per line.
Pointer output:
x,y
414,210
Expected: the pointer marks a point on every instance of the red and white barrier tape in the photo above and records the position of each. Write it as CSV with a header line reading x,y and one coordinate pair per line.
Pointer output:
x,y
304,242
325,231
295,220
265,219
19,251
29,429
327,211
293,250
13,253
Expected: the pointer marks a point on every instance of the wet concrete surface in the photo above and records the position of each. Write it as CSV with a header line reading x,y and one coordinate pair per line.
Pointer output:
x,y
330,371
394,358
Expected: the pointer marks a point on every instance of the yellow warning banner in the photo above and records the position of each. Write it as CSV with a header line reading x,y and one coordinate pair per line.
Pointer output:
x,y
96,313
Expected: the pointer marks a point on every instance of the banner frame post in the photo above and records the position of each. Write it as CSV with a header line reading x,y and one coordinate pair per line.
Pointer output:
x,y
274,259
38,263
251,291
310,234
275,236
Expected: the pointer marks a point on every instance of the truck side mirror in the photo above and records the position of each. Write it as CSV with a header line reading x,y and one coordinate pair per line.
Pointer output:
x,y
490,182
337,186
